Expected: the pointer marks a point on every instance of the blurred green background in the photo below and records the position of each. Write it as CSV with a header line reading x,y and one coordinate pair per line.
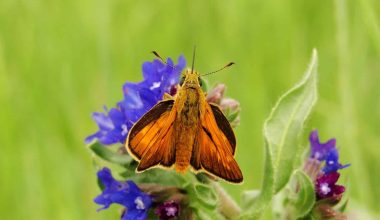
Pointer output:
x,y
62,60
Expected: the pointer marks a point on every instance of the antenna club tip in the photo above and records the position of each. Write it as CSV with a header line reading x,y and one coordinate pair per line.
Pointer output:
x,y
230,64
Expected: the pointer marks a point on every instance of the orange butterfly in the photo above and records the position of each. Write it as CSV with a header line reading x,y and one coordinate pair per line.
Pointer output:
x,y
184,131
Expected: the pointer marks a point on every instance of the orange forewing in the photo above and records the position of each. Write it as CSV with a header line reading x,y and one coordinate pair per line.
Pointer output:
x,y
215,146
151,139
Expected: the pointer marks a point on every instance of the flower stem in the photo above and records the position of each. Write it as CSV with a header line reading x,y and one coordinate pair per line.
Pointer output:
x,y
227,206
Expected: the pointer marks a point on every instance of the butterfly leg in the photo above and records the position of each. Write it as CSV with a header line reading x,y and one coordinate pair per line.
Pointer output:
x,y
167,96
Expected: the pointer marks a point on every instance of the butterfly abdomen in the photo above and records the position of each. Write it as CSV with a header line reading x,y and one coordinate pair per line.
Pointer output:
x,y
184,147
182,157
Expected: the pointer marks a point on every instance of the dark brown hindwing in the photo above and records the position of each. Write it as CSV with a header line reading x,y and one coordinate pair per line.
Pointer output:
x,y
224,125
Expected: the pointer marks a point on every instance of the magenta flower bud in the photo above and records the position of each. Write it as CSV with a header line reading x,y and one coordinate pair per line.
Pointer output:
x,y
326,187
168,210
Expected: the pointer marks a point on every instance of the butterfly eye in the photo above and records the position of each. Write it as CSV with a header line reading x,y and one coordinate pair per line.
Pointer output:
x,y
182,80
200,81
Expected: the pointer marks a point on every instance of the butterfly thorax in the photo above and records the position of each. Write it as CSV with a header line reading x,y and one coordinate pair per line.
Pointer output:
x,y
189,112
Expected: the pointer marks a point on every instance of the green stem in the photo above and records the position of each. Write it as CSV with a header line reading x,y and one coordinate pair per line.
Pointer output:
x,y
227,206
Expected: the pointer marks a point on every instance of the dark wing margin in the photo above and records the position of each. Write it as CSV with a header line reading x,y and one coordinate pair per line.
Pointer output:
x,y
224,126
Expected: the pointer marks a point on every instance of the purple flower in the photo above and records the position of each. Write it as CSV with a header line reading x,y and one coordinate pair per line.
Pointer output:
x,y
325,152
167,210
113,127
320,150
123,193
332,162
159,78
326,187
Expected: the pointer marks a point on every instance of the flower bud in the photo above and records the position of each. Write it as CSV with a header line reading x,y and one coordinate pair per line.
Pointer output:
x,y
229,105
216,94
312,168
168,210
231,109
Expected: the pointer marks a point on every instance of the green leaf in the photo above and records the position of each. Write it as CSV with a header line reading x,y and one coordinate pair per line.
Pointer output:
x,y
207,214
231,116
256,204
161,176
108,155
284,125
249,198
202,195
281,135
305,199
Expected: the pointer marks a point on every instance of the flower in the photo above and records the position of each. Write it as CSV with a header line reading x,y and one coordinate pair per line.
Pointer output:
x,y
123,193
325,152
320,150
332,163
322,166
113,127
167,210
326,187
159,78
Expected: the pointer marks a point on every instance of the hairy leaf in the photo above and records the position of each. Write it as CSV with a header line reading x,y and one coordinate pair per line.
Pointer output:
x,y
281,133
305,199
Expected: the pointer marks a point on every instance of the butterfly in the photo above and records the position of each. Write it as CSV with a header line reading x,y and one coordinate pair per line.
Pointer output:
x,y
184,132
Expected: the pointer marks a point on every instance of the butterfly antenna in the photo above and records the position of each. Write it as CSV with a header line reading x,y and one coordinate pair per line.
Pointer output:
x,y
228,65
192,64
162,60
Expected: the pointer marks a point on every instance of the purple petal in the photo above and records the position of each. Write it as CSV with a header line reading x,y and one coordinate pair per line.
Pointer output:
x,y
314,137
117,117
167,210
131,96
320,150
149,72
105,176
326,187
123,193
181,62
92,137
134,215
332,162
330,144
138,99
330,178
104,122
338,189
105,137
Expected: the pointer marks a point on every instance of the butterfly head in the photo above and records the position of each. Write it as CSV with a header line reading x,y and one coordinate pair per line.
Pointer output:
x,y
190,78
